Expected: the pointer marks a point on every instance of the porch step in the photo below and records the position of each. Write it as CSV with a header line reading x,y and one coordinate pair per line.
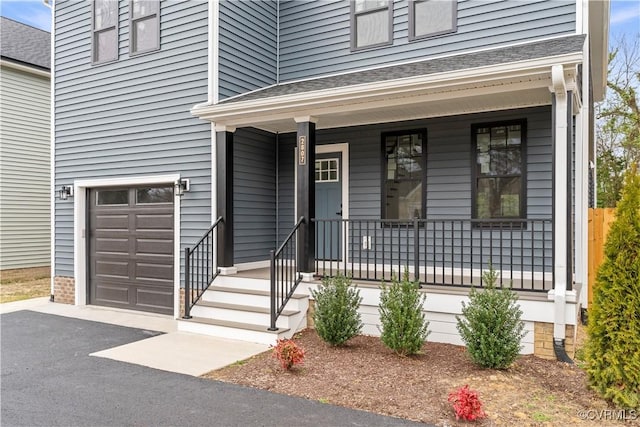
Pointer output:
x,y
251,297
256,315
229,309
232,330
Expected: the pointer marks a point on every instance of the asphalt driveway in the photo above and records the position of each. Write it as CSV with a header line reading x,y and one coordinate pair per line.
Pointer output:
x,y
49,379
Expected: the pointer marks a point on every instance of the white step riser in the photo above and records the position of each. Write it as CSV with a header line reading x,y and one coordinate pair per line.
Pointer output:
x,y
232,333
231,315
244,283
250,300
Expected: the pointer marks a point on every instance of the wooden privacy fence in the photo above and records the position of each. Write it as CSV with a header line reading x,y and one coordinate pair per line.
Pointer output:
x,y
600,220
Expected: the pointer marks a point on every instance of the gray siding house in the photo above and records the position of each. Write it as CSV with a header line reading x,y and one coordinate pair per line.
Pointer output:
x,y
221,157
25,141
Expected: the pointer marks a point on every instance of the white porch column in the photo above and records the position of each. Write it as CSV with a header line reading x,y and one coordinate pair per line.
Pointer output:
x,y
560,214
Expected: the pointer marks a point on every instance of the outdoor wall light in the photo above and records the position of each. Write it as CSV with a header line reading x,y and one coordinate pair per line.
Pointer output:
x,y
65,192
182,186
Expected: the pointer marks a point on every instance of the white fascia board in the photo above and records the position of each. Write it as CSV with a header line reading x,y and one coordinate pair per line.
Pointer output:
x,y
354,94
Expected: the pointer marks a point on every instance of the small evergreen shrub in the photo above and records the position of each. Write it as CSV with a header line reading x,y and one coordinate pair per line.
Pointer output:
x,y
490,324
466,404
612,351
336,314
288,353
404,327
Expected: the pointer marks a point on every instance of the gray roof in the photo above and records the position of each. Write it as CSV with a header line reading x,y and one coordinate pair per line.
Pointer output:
x,y
25,44
541,49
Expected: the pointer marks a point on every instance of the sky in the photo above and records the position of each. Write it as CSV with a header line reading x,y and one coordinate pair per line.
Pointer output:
x,y
625,15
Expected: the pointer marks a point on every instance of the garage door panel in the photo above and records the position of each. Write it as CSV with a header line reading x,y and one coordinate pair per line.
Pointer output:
x,y
113,294
113,246
154,300
154,246
131,250
112,222
119,269
154,271
157,222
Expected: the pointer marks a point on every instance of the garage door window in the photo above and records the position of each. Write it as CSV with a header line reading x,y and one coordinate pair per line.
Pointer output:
x,y
154,195
112,197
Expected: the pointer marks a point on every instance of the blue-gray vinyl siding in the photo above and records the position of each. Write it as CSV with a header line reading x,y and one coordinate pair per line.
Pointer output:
x,y
286,184
449,176
254,195
315,35
132,117
247,46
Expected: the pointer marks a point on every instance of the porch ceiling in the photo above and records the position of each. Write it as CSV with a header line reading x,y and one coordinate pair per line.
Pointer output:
x,y
517,84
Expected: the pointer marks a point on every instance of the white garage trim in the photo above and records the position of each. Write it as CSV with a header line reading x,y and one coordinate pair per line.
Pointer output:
x,y
80,224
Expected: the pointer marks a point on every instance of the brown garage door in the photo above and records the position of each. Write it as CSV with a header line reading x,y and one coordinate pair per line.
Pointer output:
x,y
131,248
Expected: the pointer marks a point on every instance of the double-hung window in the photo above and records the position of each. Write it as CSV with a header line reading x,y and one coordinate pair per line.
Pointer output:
x,y
144,26
371,23
432,17
403,180
499,152
105,31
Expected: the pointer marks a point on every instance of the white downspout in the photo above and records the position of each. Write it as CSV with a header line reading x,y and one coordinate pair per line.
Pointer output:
x,y
559,88
52,161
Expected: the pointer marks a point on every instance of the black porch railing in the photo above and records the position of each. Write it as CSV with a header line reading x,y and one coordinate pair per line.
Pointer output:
x,y
284,274
448,252
199,271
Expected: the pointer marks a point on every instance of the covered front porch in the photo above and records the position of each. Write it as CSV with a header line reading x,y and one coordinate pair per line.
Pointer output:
x,y
442,175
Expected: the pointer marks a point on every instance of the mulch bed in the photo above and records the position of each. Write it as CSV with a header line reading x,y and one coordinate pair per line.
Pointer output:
x,y
366,375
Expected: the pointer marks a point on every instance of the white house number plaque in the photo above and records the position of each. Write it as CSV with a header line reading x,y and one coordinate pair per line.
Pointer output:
x,y
302,150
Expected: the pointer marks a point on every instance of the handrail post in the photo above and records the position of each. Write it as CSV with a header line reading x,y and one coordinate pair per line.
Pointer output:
x,y
187,285
416,251
272,294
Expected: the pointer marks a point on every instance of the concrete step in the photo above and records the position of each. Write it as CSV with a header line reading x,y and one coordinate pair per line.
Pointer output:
x,y
255,315
233,330
251,297
243,282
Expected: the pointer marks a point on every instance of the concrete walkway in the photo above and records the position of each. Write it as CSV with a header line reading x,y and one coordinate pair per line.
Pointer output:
x,y
48,378
173,351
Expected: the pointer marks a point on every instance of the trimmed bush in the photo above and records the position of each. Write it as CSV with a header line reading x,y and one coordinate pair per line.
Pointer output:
x,y
288,353
612,352
490,324
404,327
336,314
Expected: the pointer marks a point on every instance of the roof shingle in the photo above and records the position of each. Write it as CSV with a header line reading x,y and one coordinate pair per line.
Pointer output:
x,y
25,44
541,49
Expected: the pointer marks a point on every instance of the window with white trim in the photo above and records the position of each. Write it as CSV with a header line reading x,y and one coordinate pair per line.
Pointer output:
x,y
371,23
144,26
429,18
105,31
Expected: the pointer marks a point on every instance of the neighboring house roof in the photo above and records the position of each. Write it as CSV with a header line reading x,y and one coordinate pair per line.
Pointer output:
x,y
25,44
541,49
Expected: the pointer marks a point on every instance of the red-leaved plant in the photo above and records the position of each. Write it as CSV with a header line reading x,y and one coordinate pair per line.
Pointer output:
x,y
288,353
467,404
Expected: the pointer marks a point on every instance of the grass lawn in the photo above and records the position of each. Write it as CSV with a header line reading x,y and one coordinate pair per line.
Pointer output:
x,y
24,283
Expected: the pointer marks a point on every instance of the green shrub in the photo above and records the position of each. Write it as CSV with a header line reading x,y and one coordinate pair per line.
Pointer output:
x,y
612,351
336,314
404,327
490,324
